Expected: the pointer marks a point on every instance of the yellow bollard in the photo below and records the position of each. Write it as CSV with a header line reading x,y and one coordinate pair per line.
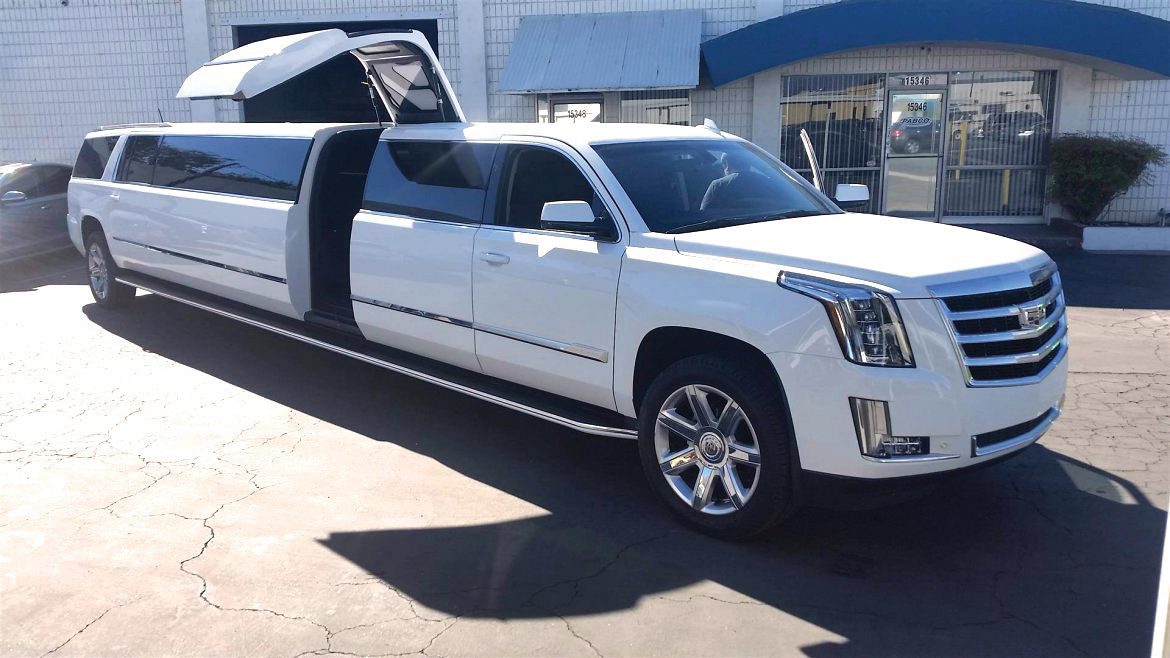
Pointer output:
x,y
962,146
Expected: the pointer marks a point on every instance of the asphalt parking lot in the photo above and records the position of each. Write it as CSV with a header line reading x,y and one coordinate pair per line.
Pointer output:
x,y
173,483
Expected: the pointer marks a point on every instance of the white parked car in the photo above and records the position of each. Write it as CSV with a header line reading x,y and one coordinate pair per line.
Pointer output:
x,y
677,286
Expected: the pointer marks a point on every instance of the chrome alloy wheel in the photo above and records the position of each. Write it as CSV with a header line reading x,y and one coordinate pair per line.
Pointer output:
x,y
707,449
99,274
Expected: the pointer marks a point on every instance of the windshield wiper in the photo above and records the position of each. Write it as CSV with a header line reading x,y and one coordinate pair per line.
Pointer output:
x,y
723,222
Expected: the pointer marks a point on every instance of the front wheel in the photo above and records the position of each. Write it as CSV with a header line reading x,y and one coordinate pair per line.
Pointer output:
x,y
106,290
714,442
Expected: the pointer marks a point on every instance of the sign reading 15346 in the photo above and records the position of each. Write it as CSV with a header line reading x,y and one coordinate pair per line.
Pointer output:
x,y
915,80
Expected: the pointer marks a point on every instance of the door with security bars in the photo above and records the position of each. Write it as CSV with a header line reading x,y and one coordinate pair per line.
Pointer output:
x,y
916,108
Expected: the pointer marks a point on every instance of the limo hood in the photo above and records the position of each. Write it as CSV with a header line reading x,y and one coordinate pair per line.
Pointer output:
x,y
904,255
399,64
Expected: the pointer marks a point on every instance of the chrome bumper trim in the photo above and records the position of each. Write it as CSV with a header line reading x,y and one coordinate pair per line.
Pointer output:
x,y
1025,439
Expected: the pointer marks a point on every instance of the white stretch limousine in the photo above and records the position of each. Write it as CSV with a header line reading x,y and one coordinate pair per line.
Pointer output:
x,y
673,285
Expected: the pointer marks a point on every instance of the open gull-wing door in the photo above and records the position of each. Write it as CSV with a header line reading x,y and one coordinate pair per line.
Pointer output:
x,y
400,66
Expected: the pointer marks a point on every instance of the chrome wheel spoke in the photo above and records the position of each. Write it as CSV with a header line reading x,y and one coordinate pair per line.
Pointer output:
x,y
670,419
729,419
743,454
677,462
718,469
98,275
735,491
701,406
703,486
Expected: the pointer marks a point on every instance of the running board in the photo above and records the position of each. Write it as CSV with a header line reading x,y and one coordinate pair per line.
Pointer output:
x,y
546,406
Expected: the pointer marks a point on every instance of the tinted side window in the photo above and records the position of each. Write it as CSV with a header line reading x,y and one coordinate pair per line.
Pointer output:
x,y
266,167
444,181
137,164
94,154
535,176
24,179
54,179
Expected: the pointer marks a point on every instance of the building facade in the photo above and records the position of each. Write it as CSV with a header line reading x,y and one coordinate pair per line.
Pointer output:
x,y
944,109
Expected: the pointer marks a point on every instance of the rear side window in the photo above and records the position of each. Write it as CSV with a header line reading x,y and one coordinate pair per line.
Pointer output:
x,y
443,181
94,154
265,167
137,164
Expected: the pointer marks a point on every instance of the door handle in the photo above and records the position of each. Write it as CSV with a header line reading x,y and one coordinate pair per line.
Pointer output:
x,y
115,196
494,258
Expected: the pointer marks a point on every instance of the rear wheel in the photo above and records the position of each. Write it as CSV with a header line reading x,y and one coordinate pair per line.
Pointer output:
x,y
106,290
714,443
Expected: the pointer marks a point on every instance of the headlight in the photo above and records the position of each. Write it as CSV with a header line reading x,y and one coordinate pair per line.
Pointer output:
x,y
866,321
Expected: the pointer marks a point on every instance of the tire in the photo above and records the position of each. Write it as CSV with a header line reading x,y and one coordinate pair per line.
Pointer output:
x,y
106,291
912,147
667,430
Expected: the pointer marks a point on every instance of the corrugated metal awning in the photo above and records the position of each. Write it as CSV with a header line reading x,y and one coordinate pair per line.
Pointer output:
x,y
604,52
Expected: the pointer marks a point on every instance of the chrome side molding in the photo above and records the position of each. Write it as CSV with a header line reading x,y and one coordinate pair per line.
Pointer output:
x,y
587,428
576,349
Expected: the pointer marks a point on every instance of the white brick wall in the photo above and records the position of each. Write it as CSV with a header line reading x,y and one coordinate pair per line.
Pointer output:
x,y
1139,108
65,70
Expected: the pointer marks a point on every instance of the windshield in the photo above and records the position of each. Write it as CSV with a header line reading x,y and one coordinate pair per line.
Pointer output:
x,y
691,185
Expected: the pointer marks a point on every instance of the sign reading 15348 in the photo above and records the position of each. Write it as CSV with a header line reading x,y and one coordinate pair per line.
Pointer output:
x,y
916,81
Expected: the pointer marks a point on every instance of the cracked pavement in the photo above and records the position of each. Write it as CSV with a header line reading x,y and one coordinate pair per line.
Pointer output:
x,y
172,483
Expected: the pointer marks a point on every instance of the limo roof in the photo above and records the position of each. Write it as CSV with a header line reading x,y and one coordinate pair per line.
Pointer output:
x,y
579,134
226,128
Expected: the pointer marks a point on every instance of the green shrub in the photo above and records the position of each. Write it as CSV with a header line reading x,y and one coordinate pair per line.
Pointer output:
x,y
1090,171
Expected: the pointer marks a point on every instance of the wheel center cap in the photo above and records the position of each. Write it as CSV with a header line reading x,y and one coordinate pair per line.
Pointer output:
x,y
712,447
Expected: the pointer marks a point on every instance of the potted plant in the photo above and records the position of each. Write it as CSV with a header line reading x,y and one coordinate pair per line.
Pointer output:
x,y
1089,172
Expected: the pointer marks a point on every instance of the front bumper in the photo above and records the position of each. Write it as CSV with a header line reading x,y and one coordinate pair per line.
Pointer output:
x,y
931,400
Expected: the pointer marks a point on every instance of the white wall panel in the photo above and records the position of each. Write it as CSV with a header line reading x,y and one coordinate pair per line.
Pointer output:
x,y
64,70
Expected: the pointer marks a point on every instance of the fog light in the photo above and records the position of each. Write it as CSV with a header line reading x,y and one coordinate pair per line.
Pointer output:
x,y
871,418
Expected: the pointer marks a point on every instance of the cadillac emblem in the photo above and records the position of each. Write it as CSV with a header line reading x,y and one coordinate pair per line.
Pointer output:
x,y
1032,316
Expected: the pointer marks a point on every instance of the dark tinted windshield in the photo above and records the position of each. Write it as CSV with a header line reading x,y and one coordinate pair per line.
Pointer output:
x,y
696,184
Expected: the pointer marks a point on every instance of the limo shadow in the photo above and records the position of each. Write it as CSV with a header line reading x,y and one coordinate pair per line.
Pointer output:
x,y
1041,555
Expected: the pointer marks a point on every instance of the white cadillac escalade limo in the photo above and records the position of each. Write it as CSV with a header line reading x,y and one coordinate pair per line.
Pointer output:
x,y
677,286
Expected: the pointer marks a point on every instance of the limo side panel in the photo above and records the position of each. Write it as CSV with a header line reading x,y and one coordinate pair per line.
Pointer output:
x,y
210,212
231,247
411,284
412,243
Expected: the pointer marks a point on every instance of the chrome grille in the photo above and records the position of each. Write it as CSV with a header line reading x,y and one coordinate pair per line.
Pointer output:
x,y
1008,330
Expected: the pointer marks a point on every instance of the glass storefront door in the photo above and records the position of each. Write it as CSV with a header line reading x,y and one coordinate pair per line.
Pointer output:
x,y
914,143
955,146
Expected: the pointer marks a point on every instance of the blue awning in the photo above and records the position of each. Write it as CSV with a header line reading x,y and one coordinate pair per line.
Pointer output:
x,y
1117,41
603,52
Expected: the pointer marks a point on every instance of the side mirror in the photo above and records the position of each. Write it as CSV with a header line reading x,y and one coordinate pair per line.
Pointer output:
x,y
569,215
574,217
13,196
851,195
